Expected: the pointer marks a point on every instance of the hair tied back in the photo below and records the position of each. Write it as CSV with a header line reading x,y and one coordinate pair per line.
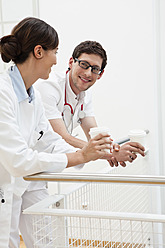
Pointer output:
x,y
9,48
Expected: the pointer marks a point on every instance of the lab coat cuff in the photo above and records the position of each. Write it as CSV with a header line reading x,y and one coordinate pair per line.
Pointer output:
x,y
58,166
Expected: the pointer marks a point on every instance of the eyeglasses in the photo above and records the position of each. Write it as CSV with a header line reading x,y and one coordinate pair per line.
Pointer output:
x,y
85,65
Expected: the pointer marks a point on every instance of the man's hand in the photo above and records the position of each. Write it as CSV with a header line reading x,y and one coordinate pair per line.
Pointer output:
x,y
128,152
113,161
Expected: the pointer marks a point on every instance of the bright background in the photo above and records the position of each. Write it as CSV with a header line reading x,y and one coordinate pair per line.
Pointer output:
x,y
131,92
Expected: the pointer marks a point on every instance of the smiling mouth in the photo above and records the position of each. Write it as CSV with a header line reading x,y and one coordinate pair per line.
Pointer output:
x,y
85,79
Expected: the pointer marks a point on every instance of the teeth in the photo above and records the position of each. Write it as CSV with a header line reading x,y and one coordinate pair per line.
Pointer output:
x,y
84,79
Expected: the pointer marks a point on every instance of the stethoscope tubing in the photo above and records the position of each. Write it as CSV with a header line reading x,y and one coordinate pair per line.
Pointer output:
x,y
71,108
68,104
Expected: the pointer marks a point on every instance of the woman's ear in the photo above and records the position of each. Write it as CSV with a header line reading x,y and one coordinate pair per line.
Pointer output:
x,y
38,52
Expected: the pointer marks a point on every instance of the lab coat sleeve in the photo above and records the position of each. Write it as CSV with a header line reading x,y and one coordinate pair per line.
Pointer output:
x,y
88,106
16,156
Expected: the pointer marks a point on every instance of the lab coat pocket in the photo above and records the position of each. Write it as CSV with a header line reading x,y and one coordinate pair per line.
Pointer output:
x,y
42,141
35,138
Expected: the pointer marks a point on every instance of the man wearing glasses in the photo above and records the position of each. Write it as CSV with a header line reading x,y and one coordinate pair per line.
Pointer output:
x,y
68,102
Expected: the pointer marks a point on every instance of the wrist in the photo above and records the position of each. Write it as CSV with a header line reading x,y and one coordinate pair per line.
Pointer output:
x,y
76,158
80,154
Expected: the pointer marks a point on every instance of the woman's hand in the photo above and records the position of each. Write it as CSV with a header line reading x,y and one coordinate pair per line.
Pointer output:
x,y
95,148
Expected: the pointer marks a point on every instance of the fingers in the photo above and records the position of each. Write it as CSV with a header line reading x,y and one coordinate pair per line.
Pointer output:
x,y
101,136
113,162
102,141
137,145
132,157
125,153
116,147
137,150
134,147
104,147
123,164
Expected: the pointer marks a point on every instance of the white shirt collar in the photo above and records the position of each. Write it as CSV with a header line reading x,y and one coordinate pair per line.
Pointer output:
x,y
19,86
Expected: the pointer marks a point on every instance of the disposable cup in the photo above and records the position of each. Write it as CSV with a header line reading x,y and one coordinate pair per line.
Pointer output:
x,y
97,130
138,135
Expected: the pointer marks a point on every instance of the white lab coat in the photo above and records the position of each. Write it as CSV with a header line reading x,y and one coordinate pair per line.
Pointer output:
x,y
21,153
52,92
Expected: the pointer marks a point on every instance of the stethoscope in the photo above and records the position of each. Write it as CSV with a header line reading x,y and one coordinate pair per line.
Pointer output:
x,y
68,106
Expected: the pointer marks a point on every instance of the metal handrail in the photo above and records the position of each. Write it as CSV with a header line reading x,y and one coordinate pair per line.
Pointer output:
x,y
97,177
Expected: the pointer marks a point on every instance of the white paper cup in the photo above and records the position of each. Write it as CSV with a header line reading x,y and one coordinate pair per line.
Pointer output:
x,y
138,135
97,130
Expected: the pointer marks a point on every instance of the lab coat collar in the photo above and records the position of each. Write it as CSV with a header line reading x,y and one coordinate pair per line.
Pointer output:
x,y
19,86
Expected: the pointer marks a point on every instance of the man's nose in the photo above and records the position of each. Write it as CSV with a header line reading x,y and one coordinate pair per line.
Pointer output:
x,y
88,71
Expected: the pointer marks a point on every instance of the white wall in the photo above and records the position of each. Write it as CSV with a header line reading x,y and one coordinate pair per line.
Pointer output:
x,y
130,93
125,98
162,80
11,12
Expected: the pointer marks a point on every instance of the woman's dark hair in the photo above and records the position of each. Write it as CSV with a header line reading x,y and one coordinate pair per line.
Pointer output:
x,y
90,47
24,37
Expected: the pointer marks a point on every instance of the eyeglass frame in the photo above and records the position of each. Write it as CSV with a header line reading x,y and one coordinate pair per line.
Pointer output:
x,y
92,67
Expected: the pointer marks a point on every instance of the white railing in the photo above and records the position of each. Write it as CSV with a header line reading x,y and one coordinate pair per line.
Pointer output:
x,y
100,209
97,177
97,214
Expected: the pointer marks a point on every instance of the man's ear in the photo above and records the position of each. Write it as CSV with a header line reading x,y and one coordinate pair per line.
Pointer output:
x,y
100,75
38,52
71,61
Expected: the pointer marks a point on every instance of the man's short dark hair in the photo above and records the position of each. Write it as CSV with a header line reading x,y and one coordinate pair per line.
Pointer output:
x,y
90,47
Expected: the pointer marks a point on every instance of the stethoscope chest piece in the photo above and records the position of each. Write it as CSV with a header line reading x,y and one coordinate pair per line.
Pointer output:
x,y
81,114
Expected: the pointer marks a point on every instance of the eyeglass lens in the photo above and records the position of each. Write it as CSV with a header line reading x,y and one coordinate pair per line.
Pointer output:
x,y
85,65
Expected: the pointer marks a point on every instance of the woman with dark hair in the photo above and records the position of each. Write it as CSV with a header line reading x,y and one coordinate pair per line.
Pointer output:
x,y
27,143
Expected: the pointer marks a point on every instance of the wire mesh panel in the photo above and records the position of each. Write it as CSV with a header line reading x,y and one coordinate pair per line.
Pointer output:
x,y
99,215
49,232
88,230
113,233
90,214
91,217
110,197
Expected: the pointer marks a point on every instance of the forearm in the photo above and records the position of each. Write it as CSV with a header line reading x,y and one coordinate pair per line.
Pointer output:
x,y
59,127
86,124
78,143
75,158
